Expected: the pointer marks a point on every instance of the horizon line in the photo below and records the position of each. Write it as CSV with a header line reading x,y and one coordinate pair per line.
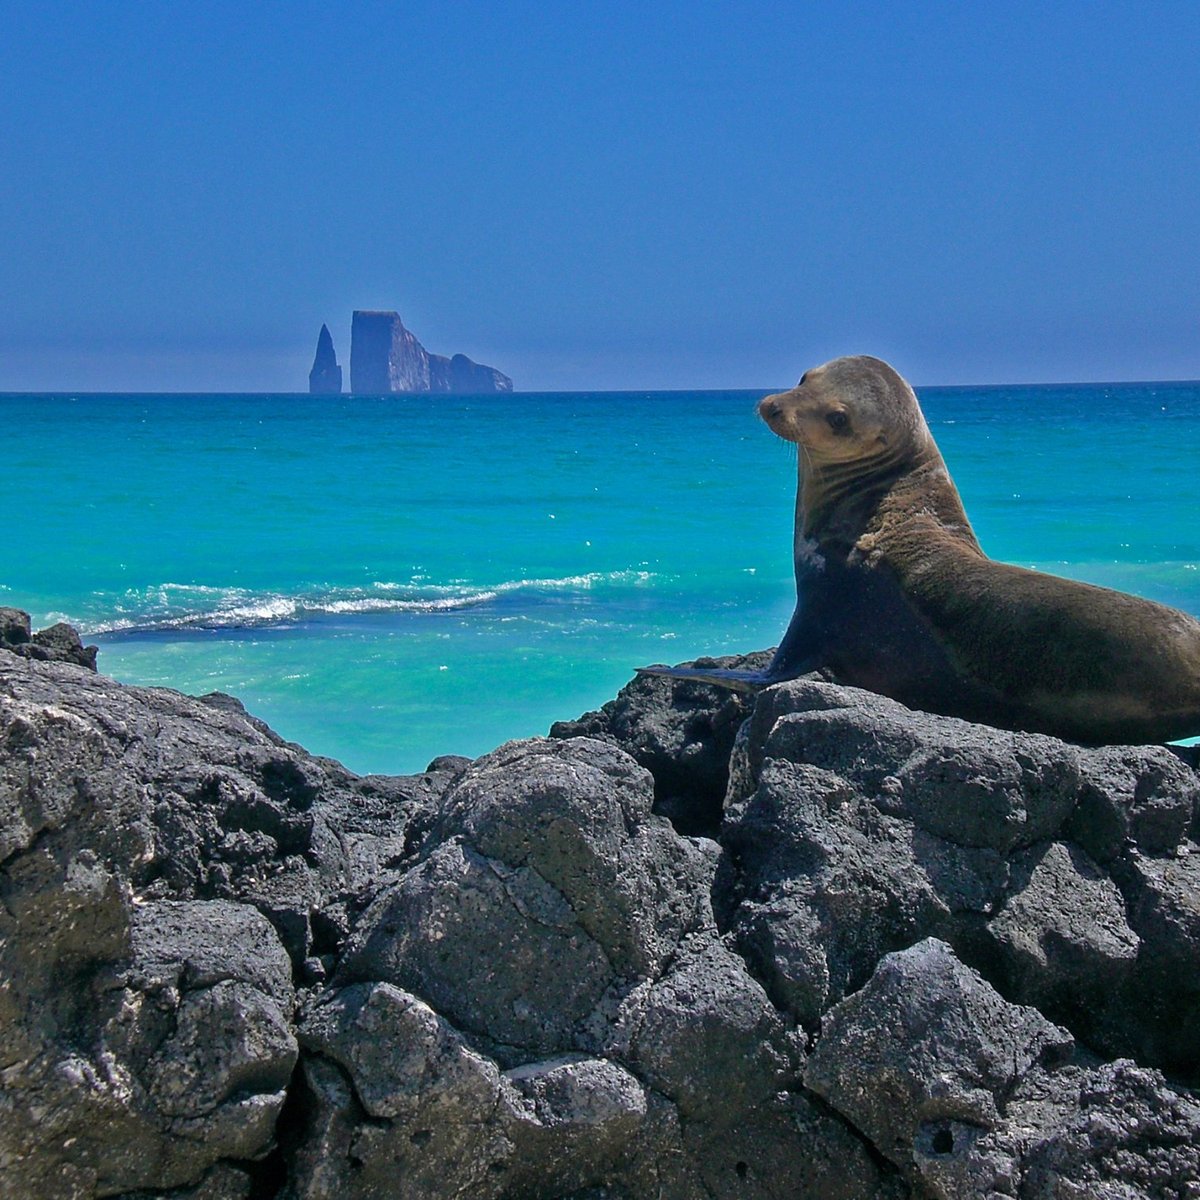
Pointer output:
x,y
69,391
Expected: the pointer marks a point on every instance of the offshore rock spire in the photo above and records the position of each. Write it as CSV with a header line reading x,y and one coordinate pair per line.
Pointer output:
x,y
325,378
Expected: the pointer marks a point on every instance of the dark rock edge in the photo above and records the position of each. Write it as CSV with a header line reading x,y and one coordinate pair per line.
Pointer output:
x,y
689,945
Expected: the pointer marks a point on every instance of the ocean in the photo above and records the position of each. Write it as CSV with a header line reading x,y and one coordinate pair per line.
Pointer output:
x,y
387,579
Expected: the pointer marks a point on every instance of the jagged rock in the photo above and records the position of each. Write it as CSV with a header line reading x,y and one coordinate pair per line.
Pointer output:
x,y
1143,795
460,374
861,827
145,1047
587,1012
682,732
1063,936
146,1024
57,643
707,1018
578,816
325,378
971,1096
447,1119
968,784
14,628
229,969
1116,1130
872,827
386,357
214,1007
926,1053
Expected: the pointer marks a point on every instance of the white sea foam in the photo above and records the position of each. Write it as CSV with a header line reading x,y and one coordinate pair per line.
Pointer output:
x,y
168,606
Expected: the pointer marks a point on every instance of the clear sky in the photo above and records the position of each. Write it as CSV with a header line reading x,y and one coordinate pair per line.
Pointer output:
x,y
609,195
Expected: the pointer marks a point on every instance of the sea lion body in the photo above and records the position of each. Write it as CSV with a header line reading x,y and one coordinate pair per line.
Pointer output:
x,y
895,595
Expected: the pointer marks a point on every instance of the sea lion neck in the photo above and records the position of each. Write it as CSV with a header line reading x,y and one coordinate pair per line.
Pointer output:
x,y
836,501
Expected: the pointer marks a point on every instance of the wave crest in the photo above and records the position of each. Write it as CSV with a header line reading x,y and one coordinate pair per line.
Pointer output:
x,y
182,606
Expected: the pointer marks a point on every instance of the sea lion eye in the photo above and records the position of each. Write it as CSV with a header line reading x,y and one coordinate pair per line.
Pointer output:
x,y
837,420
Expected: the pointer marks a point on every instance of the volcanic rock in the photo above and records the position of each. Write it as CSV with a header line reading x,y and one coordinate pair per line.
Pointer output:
x,y
385,357
56,643
325,378
917,957
460,374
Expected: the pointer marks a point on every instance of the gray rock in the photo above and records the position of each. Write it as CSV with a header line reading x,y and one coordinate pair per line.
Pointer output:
x,y
146,1026
705,1020
224,1182
229,1042
1062,935
578,814
494,948
1118,1130
858,828
808,693
14,628
926,1040
517,978
682,732
139,1072
551,883
967,784
325,378
403,1060
1158,1014
830,884
197,944
971,1096
563,934
57,643
1134,794
385,357
459,374
551,1129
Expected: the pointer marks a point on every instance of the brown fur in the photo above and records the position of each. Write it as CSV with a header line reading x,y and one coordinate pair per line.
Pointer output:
x,y
1021,649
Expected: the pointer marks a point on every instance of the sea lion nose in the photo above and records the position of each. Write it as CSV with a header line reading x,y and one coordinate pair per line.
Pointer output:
x,y
769,408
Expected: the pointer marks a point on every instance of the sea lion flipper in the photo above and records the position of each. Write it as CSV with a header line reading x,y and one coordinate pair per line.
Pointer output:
x,y
736,681
797,655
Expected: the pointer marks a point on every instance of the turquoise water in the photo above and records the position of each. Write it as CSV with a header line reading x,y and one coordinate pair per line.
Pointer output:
x,y
385,579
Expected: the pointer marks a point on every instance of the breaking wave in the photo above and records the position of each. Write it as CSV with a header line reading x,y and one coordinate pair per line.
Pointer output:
x,y
181,606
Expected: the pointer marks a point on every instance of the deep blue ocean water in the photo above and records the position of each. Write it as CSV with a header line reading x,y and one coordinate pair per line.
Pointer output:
x,y
386,579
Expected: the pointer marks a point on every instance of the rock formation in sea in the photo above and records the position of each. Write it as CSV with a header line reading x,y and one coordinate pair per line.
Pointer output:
x,y
691,945
325,378
385,357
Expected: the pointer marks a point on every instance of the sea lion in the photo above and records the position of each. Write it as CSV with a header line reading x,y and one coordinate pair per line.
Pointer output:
x,y
894,594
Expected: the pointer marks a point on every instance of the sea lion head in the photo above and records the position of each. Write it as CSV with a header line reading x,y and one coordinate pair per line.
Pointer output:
x,y
849,410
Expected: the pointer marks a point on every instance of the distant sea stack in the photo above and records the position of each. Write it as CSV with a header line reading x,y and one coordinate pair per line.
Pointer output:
x,y
386,357
325,378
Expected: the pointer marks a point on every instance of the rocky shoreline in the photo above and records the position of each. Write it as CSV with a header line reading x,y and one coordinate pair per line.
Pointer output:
x,y
690,945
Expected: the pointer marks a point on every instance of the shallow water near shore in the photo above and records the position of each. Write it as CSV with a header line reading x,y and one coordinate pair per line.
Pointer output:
x,y
386,579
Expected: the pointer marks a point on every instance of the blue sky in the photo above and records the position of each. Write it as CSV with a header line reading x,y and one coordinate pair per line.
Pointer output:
x,y
590,196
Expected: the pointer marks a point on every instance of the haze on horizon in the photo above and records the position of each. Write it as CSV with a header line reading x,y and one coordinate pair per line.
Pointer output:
x,y
600,196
